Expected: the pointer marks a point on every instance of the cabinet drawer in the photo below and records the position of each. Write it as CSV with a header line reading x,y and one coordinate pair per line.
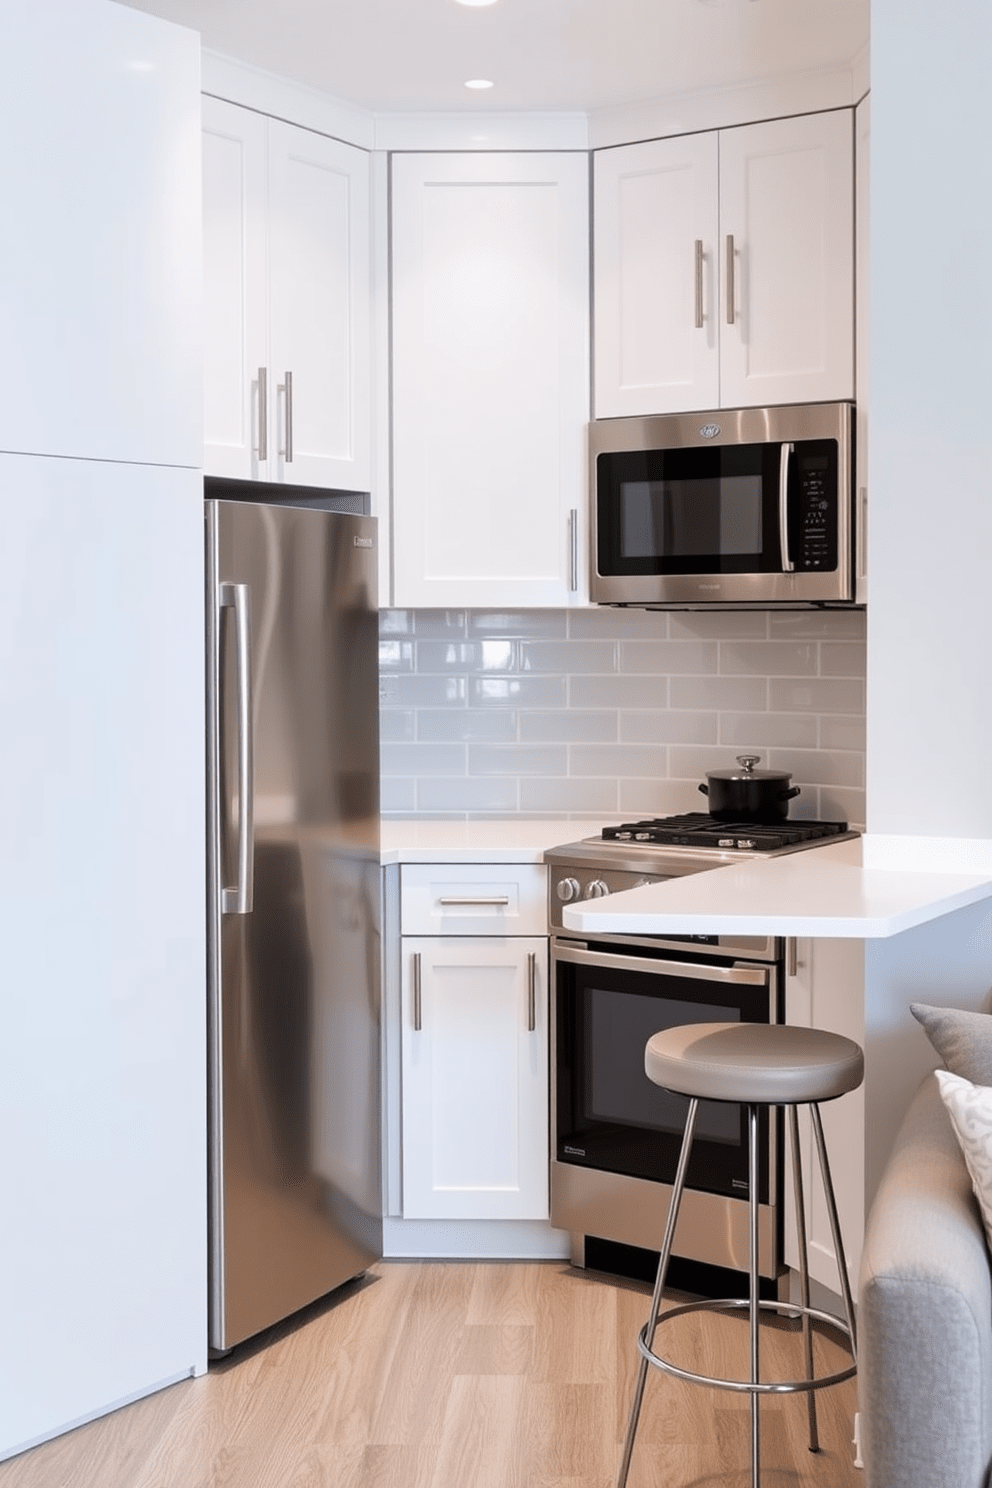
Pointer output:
x,y
473,899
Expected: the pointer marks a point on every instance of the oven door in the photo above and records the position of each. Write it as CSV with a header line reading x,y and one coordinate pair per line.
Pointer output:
x,y
608,1115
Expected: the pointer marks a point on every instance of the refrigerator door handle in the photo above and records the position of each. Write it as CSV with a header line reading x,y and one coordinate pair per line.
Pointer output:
x,y
238,900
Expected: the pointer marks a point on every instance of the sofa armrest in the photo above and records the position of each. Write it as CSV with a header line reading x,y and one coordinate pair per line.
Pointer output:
x,y
925,1315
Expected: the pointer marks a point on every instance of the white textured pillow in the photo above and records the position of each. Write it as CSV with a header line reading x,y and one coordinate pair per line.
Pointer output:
x,y
970,1109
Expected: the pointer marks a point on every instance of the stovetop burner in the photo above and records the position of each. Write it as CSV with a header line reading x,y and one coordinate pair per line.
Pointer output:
x,y
699,829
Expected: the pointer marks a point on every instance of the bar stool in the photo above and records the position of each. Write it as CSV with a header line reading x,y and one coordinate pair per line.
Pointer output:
x,y
753,1064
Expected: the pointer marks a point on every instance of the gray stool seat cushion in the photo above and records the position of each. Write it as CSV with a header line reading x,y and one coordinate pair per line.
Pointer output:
x,y
763,1063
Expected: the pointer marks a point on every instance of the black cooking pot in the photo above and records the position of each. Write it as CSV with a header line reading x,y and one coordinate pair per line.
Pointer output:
x,y
747,794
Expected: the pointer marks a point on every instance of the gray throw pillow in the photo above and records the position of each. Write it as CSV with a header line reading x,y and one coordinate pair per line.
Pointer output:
x,y
963,1040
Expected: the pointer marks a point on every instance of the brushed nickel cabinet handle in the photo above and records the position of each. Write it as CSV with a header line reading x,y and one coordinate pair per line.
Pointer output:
x,y
418,1019
792,965
286,388
501,900
263,413
531,991
731,298
699,284
573,549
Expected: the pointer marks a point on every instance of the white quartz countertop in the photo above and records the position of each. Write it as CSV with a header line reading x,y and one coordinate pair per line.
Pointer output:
x,y
825,891
505,841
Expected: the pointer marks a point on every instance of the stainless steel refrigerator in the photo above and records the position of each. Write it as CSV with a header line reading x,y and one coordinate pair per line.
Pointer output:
x,y
294,904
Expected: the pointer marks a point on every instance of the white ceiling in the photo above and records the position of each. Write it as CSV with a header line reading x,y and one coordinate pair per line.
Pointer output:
x,y
388,55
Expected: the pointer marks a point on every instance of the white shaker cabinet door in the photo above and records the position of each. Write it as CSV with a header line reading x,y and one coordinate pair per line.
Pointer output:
x,y
490,287
787,261
475,1077
100,244
286,219
656,282
319,310
235,303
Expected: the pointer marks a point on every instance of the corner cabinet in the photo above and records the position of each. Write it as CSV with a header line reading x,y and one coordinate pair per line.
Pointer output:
x,y
474,1042
287,328
724,270
490,295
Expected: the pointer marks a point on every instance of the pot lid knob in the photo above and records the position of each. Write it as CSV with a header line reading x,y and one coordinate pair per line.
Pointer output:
x,y
748,762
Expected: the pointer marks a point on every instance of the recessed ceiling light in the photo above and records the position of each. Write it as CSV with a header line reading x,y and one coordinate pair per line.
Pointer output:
x,y
476,2
478,83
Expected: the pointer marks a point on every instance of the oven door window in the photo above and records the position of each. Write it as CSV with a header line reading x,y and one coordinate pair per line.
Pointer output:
x,y
609,1114
689,511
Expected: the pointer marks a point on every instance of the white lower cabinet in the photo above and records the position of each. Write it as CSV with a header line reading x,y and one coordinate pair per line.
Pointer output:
x,y
475,1077
826,990
473,1045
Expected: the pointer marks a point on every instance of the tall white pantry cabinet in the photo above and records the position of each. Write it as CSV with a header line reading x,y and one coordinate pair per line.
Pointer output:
x,y
102,949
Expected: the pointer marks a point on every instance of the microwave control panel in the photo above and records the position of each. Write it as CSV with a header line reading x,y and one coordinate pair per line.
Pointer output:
x,y
815,544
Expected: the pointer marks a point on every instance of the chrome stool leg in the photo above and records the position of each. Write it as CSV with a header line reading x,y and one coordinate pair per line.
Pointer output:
x,y
828,1189
659,1285
797,1179
753,1308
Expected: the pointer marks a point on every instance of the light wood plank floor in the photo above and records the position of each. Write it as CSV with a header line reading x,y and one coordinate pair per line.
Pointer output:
x,y
462,1375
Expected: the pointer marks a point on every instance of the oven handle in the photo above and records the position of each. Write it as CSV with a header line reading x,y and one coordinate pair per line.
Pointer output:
x,y
751,976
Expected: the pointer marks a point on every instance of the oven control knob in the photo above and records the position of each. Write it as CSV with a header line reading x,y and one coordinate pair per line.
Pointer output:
x,y
568,889
596,889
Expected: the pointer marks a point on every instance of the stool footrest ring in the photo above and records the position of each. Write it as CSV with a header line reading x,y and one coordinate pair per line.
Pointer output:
x,y
752,1387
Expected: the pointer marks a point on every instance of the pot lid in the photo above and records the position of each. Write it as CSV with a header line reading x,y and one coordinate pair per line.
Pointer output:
x,y
747,771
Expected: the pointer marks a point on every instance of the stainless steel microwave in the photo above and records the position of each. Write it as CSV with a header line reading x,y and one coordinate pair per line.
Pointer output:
x,y
738,507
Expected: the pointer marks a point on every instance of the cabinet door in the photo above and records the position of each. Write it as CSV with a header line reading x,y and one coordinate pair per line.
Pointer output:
x,y
319,309
787,204
656,277
490,379
475,1078
235,305
825,989
100,244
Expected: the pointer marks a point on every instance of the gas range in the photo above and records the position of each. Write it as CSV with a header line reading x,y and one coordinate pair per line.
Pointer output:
x,y
644,852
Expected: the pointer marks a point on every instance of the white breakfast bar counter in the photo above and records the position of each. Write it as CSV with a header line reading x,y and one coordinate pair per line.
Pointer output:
x,y
824,891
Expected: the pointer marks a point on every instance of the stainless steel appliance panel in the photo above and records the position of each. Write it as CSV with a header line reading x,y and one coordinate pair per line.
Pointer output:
x,y
295,1201
784,426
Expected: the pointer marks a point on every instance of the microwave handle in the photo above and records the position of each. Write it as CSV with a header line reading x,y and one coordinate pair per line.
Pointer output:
x,y
783,506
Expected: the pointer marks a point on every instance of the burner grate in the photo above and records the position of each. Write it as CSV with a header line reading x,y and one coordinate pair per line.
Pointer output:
x,y
699,829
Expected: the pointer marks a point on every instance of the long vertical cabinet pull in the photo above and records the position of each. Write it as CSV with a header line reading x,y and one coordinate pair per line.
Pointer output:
x,y
263,414
731,297
531,991
286,388
238,900
573,549
699,284
418,1019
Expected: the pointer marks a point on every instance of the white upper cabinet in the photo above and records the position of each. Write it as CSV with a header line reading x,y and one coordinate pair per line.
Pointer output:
x,y
75,379
725,268
656,231
287,311
490,265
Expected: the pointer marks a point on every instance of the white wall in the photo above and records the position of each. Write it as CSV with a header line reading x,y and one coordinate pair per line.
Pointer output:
x,y
930,618
929,700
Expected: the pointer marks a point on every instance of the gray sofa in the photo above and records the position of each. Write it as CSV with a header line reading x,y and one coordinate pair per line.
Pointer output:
x,y
925,1315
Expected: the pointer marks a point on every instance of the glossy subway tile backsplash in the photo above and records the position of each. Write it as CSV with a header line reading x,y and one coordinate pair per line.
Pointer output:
x,y
608,714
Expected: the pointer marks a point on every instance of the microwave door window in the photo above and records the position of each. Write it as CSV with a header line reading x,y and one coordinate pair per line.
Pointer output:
x,y
705,519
